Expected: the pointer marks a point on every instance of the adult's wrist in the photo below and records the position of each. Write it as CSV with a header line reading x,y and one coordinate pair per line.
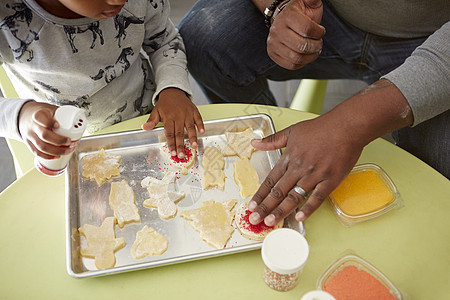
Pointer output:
x,y
261,5
271,7
269,11
277,10
377,110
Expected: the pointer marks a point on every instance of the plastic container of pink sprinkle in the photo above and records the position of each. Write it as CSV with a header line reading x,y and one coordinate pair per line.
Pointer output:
x,y
284,253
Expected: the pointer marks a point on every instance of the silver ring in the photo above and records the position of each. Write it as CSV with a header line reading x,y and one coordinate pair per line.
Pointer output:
x,y
300,191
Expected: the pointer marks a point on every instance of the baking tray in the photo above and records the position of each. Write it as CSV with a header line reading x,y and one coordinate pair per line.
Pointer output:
x,y
87,203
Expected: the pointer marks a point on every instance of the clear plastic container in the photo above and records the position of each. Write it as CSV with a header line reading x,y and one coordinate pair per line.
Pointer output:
x,y
284,253
351,277
366,193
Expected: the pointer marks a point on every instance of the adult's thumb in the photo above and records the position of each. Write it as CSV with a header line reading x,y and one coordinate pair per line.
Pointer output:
x,y
313,3
275,141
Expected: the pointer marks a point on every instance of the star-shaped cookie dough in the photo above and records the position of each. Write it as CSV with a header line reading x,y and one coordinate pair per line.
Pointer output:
x,y
160,196
101,166
148,242
101,243
239,144
213,221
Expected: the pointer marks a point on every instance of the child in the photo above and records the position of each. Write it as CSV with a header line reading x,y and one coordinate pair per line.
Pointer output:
x,y
87,53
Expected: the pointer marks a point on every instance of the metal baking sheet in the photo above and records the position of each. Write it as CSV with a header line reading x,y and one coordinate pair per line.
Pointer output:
x,y
87,203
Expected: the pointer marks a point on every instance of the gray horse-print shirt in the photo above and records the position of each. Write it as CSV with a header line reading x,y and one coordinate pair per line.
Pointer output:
x,y
113,68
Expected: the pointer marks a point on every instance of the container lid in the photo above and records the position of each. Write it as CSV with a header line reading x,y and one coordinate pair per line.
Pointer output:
x,y
285,251
317,295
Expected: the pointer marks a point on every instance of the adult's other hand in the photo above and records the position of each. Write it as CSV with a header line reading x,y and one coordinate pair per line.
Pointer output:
x,y
295,37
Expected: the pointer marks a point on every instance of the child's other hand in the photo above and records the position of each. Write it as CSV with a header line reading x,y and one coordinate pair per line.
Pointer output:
x,y
177,112
35,126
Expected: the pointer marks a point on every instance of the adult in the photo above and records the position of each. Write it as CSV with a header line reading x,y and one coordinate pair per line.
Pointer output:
x,y
400,48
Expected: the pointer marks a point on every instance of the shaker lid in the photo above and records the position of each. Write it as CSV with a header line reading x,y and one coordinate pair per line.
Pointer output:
x,y
317,295
72,121
285,251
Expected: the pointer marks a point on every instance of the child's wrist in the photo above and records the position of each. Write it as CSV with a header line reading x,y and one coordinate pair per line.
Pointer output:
x,y
172,92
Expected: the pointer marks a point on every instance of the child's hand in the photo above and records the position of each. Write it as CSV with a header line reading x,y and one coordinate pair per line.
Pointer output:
x,y
177,112
35,126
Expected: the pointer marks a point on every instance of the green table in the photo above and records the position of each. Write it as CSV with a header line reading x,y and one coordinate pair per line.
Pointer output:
x,y
411,245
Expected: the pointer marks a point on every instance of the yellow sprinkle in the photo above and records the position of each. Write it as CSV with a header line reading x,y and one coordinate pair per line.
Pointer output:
x,y
362,193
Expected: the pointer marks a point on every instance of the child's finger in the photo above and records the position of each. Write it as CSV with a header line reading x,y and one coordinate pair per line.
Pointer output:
x,y
42,144
179,139
169,131
199,122
45,122
192,133
55,142
39,153
152,120
44,118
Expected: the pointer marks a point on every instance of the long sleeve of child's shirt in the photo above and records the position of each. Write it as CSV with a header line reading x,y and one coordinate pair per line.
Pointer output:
x,y
98,65
165,48
9,114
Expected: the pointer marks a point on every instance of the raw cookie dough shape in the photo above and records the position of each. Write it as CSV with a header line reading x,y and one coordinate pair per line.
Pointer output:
x,y
101,166
239,144
148,242
246,177
101,243
213,221
160,197
248,230
185,163
123,202
213,164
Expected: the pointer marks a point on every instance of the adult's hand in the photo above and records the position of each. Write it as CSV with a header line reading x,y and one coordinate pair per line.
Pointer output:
x,y
295,37
317,158
321,152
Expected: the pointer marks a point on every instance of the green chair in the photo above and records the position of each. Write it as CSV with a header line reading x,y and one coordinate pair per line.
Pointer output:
x,y
310,96
22,156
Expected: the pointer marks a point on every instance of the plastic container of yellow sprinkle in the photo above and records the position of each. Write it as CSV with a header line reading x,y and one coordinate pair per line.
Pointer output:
x,y
366,193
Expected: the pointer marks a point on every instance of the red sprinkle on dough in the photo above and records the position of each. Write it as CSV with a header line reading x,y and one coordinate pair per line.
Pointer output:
x,y
352,283
261,227
187,156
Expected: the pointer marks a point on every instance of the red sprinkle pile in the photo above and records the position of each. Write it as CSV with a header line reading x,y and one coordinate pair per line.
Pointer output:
x,y
187,156
261,227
